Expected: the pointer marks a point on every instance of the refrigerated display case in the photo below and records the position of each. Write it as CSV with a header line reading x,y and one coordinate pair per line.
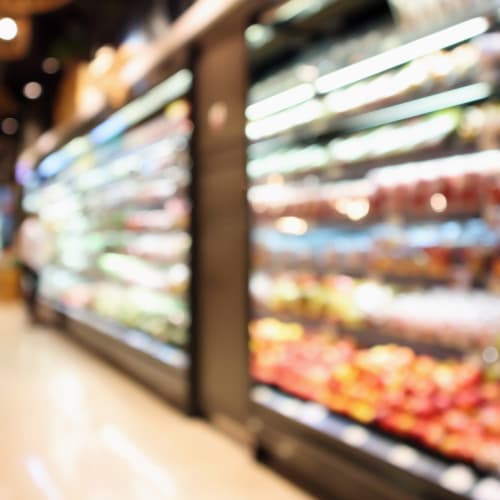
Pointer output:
x,y
117,205
374,174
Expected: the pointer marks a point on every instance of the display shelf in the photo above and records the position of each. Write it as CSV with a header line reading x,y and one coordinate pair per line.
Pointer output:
x,y
163,368
312,222
336,171
401,464
455,187
135,339
96,196
450,132
166,290
311,121
176,178
455,97
366,336
375,165
151,259
168,229
135,203
99,183
51,311
412,281
374,336
370,54
285,31
323,266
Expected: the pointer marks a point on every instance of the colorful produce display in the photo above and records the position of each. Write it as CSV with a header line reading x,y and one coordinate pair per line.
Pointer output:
x,y
451,186
335,299
449,406
454,318
164,317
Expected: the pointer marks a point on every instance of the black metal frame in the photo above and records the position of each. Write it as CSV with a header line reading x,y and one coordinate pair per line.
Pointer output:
x,y
193,374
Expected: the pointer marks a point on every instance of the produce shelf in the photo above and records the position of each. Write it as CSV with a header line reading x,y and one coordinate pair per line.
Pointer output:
x,y
282,419
369,336
373,264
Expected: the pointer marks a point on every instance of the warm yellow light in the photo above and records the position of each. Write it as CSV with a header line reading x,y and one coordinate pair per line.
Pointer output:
x,y
357,209
103,61
438,202
340,205
32,90
292,225
275,179
46,142
51,65
9,126
91,99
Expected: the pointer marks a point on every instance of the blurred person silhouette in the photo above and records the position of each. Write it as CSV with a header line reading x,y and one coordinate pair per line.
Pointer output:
x,y
34,253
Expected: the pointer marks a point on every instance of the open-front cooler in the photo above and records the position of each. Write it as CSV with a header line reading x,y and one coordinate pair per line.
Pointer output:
x,y
117,205
374,192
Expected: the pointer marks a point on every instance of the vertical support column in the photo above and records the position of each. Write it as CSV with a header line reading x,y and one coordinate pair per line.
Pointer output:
x,y
221,249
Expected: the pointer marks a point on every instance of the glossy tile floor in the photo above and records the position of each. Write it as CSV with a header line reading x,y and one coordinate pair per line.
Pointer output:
x,y
74,428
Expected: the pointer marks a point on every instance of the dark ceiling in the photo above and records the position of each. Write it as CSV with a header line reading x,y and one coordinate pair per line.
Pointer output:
x,y
72,32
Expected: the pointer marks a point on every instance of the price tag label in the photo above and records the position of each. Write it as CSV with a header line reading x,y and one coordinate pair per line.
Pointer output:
x,y
487,489
290,407
355,435
458,478
313,414
403,456
286,449
262,395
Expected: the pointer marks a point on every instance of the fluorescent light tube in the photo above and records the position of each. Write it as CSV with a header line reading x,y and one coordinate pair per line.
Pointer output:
x,y
299,115
279,102
403,54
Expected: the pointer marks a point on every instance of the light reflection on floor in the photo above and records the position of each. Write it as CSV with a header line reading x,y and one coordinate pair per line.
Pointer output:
x,y
74,428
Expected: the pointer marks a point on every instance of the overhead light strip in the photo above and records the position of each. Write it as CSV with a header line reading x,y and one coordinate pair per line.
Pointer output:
x,y
128,116
309,111
279,102
418,107
286,120
403,54
368,67
131,114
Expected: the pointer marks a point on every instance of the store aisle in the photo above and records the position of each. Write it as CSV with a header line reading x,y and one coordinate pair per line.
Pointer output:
x,y
74,428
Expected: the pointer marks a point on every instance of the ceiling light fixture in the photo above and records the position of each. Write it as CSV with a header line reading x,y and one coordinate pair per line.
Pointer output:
x,y
10,126
32,90
51,65
8,29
